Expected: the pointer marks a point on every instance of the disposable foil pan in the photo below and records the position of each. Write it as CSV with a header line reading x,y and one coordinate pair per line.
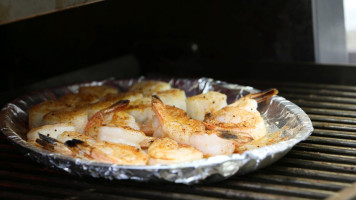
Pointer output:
x,y
279,114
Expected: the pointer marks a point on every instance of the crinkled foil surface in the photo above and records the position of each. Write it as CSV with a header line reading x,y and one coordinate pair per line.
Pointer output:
x,y
280,115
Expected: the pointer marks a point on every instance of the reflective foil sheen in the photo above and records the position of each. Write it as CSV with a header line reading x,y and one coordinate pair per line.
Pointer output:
x,y
281,116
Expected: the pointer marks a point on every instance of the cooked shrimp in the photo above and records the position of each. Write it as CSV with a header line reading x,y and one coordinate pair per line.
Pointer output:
x,y
149,87
177,125
241,116
97,120
213,142
113,125
173,97
120,134
199,105
168,151
100,151
174,122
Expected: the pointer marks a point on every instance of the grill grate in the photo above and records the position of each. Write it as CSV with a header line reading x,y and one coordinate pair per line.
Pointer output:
x,y
322,166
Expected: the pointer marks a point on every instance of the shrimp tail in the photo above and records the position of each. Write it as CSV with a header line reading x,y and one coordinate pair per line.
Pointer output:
x,y
239,137
263,96
98,118
159,108
118,106
52,145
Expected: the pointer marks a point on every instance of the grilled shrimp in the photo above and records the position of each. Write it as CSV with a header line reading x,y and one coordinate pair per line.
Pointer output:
x,y
101,117
99,151
168,151
241,116
114,125
174,122
213,142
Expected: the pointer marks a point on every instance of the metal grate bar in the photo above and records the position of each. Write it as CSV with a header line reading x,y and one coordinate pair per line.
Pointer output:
x,y
296,181
331,141
334,133
318,104
312,97
327,118
312,173
281,189
334,112
321,165
324,157
334,126
39,182
321,92
247,194
325,148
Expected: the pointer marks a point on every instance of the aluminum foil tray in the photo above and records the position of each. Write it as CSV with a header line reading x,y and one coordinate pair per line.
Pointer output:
x,y
281,116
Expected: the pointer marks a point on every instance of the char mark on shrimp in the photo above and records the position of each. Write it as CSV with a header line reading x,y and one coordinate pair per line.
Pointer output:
x,y
73,142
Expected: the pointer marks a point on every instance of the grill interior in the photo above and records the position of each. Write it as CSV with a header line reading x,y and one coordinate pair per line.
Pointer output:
x,y
323,166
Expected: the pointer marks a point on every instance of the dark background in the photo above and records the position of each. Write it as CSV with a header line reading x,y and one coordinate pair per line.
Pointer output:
x,y
245,39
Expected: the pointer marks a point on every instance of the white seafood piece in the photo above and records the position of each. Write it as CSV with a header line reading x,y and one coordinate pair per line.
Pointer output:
x,y
37,111
211,144
241,116
132,96
149,87
52,130
141,110
199,105
73,100
78,118
122,135
168,151
173,97
100,91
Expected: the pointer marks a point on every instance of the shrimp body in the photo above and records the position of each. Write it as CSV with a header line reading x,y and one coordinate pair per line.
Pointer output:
x,y
105,152
123,135
168,151
97,120
211,144
241,116
174,122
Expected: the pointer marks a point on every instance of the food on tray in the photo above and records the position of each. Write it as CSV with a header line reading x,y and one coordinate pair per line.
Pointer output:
x,y
152,123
